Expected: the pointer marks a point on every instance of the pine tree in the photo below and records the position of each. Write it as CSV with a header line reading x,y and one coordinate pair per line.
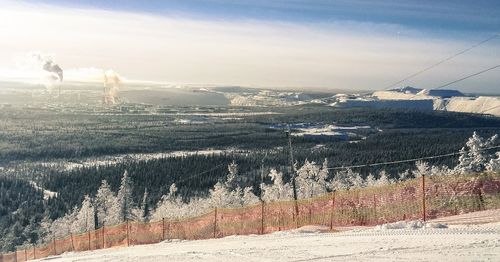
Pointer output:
x,y
423,169
145,206
383,179
106,205
84,220
125,200
475,158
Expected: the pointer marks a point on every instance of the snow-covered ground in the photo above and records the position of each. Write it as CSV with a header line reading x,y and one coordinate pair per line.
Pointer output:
x,y
402,241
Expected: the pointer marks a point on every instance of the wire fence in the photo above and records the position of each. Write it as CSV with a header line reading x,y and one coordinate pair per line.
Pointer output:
x,y
423,198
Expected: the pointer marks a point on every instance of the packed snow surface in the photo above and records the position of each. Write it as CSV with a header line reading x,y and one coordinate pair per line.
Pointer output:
x,y
403,241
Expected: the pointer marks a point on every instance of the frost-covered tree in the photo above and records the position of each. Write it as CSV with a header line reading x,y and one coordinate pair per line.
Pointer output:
x,y
106,205
404,175
474,157
356,180
145,210
342,180
306,179
278,190
370,180
231,180
383,179
422,169
311,179
124,198
84,219
494,164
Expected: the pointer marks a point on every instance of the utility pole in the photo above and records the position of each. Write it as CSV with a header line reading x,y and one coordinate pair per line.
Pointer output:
x,y
292,167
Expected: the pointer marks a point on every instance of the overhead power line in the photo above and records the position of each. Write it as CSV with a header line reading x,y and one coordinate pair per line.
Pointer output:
x,y
199,174
469,76
409,160
459,80
443,61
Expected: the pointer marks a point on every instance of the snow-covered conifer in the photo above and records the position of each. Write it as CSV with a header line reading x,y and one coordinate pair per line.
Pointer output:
x,y
474,157
125,200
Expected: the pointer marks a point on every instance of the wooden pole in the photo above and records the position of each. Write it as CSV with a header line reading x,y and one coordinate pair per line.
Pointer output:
x,y
34,252
163,229
128,239
25,254
72,242
215,223
262,218
54,244
423,199
332,211
103,238
89,239
15,255
168,230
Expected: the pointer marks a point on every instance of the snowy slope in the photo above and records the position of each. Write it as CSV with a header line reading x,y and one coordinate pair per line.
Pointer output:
x,y
401,242
486,104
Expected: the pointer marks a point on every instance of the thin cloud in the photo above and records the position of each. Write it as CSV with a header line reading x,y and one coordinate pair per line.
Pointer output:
x,y
244,52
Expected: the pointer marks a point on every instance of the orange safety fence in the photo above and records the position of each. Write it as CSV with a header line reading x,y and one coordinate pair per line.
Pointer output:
x,y
422,198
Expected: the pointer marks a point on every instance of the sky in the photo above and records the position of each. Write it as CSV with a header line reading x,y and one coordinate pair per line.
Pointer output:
x,y
320,44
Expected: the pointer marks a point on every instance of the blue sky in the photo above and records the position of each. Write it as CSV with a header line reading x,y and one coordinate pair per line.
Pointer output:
x,y
432,15
343,44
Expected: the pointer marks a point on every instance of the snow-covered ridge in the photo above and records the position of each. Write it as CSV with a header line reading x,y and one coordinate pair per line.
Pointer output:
x,y
408,97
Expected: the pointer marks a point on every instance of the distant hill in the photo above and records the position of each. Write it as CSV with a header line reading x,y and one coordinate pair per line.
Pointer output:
x,y
443,93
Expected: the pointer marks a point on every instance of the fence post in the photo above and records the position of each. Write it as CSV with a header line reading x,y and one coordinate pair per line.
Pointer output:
x,y
34,252
54,244
332,211
163,229
423,198
72,243
262,218
103,238
215,223
128,239
15,255
25,254
89,239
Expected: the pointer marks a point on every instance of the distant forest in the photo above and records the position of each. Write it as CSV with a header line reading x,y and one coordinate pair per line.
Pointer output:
x,y
50,136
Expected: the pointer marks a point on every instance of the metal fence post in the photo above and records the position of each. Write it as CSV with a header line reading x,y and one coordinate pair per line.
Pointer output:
x,y
163,229
215,223
423,198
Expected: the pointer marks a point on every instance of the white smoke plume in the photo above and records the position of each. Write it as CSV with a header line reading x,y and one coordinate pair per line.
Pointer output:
x,y
51,74
111,83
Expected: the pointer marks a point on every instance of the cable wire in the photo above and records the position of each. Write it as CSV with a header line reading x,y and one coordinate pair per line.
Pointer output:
x,y
443,61
409,160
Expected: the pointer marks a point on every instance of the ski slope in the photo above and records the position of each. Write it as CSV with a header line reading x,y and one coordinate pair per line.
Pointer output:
x,y
401,241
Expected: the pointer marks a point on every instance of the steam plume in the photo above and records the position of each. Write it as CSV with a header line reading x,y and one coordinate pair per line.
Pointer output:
x,y
111,83
53,75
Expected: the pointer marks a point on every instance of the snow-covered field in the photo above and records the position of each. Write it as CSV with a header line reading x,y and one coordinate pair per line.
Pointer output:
x,y
402,241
